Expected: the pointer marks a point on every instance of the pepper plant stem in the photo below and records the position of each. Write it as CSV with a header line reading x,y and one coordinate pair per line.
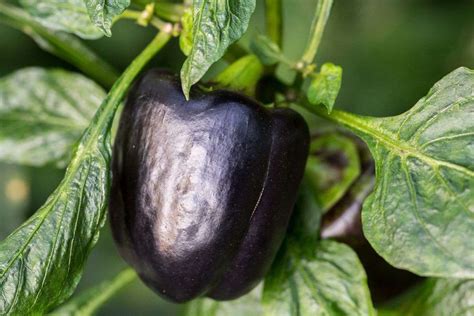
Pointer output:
x,y
323,9
166,10
355,123
63,45
90,300
273,18
154,21
113,286
104,115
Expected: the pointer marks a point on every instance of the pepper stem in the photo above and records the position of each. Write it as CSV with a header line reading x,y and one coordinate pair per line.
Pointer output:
x,y
321,16
106,112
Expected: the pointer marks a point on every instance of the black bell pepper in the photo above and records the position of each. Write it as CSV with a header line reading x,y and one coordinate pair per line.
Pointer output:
x,y
203,189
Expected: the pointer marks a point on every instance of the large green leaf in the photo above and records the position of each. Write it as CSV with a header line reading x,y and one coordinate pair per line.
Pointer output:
x,y
43,113
41,261
61,44
435,297
248,305
63,15
216,25
89,301
420,216
328,280
102,12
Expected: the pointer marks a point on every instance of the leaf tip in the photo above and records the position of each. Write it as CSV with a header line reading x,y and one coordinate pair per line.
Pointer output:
x,y
106,30
329,108
185,89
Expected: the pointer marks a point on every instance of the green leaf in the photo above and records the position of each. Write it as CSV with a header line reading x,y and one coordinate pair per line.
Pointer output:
x,y
328,281
102,12
435,297
333,165
43,113
325,86
41,262
63,15
89,301
63,45
242,75
248,305
312,277
267,51
216,25
420,216
423,201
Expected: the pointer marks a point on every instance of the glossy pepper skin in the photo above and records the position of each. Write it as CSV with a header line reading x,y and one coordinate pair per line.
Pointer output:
x,y
202,190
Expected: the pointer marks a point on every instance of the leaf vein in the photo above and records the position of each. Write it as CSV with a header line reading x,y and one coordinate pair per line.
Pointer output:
x,y
416,136
443,138
416,212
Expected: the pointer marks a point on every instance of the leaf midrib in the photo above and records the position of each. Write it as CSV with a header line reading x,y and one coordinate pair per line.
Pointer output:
x,y
361,127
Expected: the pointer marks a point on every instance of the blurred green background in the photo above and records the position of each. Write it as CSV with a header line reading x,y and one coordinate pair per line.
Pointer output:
x,y
392,52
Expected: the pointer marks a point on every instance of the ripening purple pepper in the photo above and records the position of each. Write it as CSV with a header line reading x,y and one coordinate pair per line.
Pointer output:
x,y
203,189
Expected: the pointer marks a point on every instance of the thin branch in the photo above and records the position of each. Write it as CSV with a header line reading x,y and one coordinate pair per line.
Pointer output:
x,y
323,9
273,20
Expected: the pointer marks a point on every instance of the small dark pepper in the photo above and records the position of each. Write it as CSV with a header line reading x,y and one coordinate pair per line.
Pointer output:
x,y
203,189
